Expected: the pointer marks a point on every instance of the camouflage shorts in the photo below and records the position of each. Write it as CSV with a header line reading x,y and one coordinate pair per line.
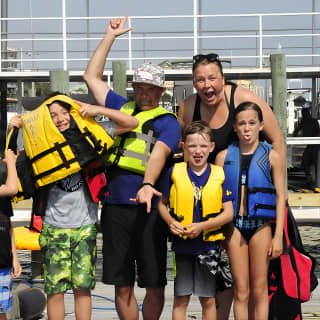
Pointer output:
x,y
69,258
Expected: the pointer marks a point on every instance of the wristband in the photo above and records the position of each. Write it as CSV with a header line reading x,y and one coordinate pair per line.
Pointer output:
x,y
146,184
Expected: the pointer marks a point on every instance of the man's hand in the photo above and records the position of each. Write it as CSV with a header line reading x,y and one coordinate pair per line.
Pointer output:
x,y
145,195
116,26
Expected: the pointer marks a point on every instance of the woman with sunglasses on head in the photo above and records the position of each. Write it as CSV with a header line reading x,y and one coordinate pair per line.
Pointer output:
x,y
214,102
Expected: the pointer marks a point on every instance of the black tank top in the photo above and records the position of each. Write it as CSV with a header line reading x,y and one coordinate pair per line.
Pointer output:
x,y
224,135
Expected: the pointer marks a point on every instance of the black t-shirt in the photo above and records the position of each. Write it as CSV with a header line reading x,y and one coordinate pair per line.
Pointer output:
x,y
5,240
224,135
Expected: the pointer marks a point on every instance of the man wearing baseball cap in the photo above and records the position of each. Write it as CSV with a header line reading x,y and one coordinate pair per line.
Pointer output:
x,y
134,236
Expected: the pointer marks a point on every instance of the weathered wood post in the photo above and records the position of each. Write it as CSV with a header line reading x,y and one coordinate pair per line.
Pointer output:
x,y
279,90
119,78
59,81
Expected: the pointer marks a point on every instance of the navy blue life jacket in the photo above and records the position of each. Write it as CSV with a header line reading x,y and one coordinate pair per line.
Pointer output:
x,y
260,189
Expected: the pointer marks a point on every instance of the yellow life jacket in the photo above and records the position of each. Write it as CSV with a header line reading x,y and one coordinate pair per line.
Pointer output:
x,y
181,198
131,151
53,156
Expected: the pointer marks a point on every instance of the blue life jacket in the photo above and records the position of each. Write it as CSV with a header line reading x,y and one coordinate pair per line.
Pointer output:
x,y
260,189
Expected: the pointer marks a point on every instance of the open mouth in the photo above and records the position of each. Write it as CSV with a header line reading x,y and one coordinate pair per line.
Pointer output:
x,y
197,159
210,94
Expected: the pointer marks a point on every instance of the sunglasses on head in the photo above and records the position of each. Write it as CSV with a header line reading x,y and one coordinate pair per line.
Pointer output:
x,y
211,57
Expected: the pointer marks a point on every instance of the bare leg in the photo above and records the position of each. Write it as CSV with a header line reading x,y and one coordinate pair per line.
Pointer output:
x,y
180,305
208,308
223,302
153,303
239,259
55,306
259,260
126,303
82,304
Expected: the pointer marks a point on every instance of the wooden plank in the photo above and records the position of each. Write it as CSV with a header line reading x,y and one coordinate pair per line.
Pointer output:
x,y
300,199
24,204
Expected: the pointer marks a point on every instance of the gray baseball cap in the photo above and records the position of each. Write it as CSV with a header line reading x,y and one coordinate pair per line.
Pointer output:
x,y
149,74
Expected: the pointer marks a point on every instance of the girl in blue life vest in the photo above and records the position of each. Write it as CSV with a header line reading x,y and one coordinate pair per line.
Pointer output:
x,y
254,177
199,207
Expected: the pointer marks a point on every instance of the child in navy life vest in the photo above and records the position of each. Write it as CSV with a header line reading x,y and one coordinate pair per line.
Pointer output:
x,y
199,207
255,178
9,262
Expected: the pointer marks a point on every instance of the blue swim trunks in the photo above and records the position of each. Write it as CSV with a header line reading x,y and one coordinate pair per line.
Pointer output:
x,y
5,290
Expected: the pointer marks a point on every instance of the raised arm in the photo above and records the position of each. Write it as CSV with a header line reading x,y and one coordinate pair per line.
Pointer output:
x,y
94,71
123,121
10,188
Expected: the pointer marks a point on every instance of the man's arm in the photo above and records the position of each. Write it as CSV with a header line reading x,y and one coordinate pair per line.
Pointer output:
x,y
155,165
94,71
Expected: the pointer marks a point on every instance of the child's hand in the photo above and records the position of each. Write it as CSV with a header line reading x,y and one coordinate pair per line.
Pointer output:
x,y
276,247
15,121
16,272
10,157
176,228
193,230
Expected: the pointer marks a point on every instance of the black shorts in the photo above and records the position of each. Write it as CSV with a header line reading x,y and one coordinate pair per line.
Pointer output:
x,y
133,240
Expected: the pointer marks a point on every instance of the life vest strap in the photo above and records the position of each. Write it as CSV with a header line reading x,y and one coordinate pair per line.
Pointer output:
x,y
211,215
264,206
263,190
63,165
149,139
176,217
211,232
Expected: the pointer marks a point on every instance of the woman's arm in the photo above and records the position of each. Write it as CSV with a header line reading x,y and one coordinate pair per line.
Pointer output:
x,y
220,157
186,110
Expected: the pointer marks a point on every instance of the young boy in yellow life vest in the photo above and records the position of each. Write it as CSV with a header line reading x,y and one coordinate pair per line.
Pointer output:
x,y
198,208
68,236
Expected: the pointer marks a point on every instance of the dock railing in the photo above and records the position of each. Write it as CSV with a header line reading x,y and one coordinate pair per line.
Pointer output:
x,y
51,43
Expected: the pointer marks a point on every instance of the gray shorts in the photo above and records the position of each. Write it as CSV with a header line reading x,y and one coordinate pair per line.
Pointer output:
x,y
193,278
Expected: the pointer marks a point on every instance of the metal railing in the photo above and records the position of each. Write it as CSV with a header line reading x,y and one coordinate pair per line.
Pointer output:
x,y
50,43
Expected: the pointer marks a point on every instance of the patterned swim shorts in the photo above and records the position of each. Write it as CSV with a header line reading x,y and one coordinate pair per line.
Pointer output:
x,y
5,290
69,258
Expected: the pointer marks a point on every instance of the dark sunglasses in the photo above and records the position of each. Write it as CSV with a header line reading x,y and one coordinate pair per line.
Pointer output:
x,y
211,57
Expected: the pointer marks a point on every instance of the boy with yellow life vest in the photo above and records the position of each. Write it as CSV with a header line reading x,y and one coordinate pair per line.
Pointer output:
x,y
199,207
62,140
